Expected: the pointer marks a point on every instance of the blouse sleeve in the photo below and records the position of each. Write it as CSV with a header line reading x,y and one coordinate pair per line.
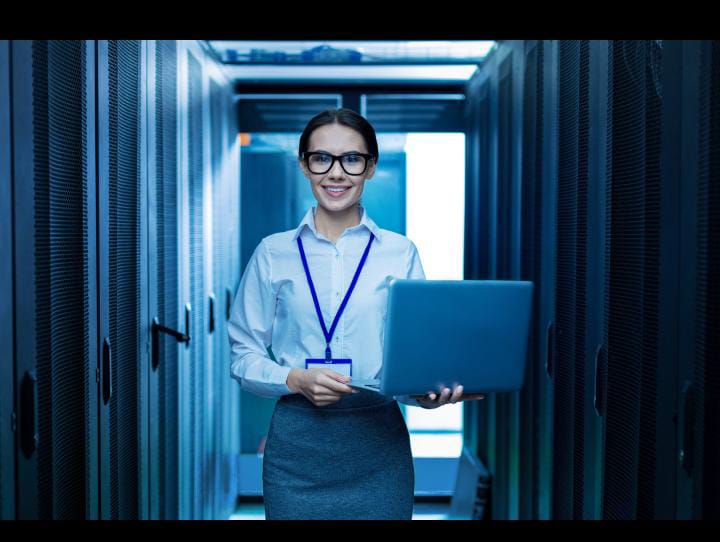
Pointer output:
x,y
414,266
250,330
414,271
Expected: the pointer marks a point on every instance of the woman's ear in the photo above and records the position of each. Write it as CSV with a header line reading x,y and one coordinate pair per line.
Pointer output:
x,y
302,168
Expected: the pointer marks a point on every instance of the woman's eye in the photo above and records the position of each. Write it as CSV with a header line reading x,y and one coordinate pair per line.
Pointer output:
x,y
351,158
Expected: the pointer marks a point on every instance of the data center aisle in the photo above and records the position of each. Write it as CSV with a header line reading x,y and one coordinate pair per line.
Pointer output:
x,y
421,511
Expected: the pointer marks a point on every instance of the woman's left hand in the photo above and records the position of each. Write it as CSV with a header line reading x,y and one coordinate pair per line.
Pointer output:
x,y
434,400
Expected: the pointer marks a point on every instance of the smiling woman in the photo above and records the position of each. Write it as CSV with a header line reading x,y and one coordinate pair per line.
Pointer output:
x,y
335,267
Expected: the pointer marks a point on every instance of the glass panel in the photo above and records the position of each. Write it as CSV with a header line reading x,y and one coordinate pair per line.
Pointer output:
x,y
436,445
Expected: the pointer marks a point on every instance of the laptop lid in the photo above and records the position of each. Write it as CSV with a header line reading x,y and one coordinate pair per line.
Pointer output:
x,y
442,332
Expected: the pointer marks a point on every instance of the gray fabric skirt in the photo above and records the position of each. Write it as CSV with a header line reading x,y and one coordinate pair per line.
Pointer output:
x,y
348,460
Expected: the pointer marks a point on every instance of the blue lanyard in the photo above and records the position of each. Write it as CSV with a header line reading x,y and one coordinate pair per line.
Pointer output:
x,y
328,336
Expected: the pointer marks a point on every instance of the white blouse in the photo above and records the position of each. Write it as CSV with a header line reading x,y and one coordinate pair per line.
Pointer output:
x,y
274,312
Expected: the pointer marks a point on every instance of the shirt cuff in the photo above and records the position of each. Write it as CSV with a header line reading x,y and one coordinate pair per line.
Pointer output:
x,y
283,372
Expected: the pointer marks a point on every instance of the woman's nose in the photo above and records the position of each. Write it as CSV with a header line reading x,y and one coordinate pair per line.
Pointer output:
x,y
336,170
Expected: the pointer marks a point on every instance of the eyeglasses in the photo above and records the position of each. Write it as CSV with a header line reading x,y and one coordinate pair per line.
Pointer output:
x,y
322,162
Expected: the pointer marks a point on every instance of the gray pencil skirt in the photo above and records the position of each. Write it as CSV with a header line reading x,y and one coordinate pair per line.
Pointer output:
x,y
347,460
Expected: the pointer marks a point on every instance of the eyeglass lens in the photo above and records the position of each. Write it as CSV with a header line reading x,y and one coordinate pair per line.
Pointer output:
x,y
354,164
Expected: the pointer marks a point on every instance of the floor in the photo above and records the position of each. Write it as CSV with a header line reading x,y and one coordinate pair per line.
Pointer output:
x,y
421,511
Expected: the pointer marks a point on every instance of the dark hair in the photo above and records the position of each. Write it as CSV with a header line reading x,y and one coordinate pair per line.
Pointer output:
x,y
346,117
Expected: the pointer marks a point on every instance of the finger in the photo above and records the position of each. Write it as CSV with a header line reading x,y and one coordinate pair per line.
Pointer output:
x,y
333,385
445,395
337,376
334,375
457,394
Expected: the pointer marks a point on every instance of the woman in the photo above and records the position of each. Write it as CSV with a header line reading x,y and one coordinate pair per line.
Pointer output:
x,y
331,452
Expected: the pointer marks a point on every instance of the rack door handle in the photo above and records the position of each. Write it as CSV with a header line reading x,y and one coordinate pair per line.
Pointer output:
x,y
158,328
212,312
228,303
28,421
550,349
107,387
687,449
599,399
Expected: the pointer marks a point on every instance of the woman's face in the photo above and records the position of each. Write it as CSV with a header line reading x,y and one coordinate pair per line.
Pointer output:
x,y
337,139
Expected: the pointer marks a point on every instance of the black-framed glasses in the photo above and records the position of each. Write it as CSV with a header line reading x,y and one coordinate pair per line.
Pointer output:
x,y
354,163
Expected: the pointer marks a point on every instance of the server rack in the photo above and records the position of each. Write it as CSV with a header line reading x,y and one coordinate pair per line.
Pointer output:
x,y
166,307
124,323
619,169
53,148
95,139
537,260
690,176
223,457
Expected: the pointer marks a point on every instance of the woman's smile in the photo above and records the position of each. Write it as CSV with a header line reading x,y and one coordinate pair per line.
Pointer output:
x,y
337,192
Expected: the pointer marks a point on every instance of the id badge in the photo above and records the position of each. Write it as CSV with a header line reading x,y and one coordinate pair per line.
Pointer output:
x,y
342,366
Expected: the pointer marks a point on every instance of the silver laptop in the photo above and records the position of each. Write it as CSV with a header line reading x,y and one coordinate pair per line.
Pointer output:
x,y
442,332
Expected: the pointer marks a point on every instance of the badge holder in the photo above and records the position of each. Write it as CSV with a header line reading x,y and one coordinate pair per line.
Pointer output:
x,y
342,366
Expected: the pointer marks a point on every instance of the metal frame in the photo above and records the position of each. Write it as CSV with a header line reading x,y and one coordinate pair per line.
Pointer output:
x,y
674,192
24,237
595,277
547,292
7,377
527,449
154,406
688,487
226,458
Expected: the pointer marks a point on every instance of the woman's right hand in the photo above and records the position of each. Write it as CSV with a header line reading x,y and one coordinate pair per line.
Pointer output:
x,y
320,386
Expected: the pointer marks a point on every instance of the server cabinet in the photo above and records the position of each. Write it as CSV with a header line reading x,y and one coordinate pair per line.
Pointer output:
x,y
502,411
509,113
498,248
103,160
479,418
196,249
632,292
595,280
232,448
7,389
55,379
217,324
124,326
470,414
690,174
706,370
222,458
168,331
548,282
619,233
537,265
570,385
